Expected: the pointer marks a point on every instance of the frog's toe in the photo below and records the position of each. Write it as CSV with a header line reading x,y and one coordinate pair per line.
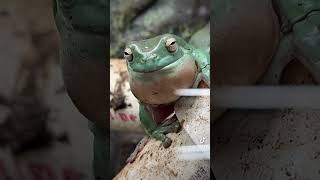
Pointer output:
x,y
177,127
172,128
167,142
170,121
158,135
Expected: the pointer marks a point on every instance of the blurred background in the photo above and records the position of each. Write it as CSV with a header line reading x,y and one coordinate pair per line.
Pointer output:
x,y
266,143
42,135
38,136
141,19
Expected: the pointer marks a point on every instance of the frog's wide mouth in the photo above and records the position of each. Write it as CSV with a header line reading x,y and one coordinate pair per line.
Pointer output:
x,y
166,69
157,64
166,66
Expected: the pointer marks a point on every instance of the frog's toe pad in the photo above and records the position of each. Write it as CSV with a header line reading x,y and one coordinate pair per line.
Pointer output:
x,y
177,127
167,142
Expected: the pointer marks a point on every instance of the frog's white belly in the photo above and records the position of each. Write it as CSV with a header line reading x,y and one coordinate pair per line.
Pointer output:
x,y
159,87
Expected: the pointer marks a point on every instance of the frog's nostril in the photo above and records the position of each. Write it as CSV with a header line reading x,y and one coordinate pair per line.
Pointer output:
x,y
153,56
150,57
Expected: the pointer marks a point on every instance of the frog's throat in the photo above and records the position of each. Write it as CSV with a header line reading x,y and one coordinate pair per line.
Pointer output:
x,y
159,87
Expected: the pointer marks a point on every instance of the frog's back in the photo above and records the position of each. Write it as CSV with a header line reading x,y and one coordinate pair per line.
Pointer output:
x,y
201,39
201,42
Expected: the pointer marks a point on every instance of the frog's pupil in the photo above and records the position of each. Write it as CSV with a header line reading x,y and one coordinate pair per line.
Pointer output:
x,y
173,43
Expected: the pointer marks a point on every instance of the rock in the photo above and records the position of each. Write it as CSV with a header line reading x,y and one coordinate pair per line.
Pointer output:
x,y
156,162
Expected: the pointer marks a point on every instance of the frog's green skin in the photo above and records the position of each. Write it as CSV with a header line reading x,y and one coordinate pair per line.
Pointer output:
x,y
154,74
300,22
279,32
263,36
83,27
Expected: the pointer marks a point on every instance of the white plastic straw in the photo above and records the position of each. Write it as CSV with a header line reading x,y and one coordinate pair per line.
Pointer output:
x,y
193,92
195,152
267,97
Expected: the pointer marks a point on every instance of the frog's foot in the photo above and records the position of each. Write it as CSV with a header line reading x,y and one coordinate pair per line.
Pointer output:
x,y
169,120
171,125
279,61
174,127
172,119
167,143
158,134
138,148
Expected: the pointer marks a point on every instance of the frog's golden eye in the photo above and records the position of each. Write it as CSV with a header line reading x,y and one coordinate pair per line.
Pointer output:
x,y
128,54
171,44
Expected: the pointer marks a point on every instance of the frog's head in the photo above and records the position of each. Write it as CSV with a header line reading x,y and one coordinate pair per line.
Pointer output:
x,y
156,53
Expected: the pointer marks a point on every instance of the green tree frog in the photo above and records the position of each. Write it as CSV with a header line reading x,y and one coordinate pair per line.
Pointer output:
x,y
158,67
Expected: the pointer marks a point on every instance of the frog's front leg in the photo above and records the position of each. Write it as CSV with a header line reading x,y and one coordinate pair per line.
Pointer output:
x,y
307,41
155,130
149,126
203,63
203,75
279,61
158,134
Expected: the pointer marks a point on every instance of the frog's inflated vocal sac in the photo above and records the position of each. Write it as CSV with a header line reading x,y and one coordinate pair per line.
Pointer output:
x,y
157,67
